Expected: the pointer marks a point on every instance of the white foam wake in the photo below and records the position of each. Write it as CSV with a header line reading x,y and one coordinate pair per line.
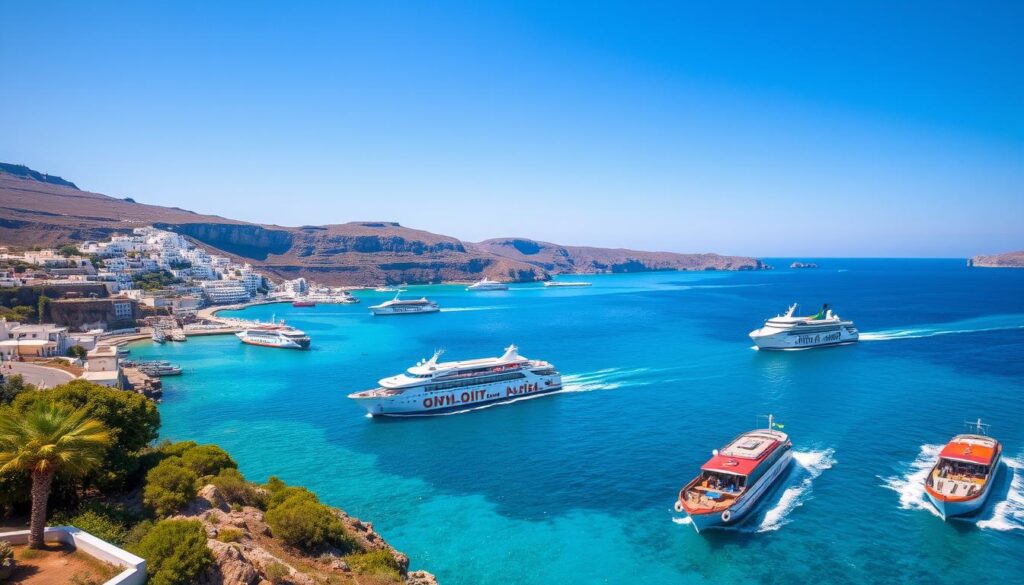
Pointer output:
x,y
976,325
1008,513
685,520
809,466
910,485
464,309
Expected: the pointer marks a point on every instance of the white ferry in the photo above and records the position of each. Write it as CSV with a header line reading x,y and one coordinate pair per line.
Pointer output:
x,y
281,336
557,284
790,331
430,387
735,478
487,284
328,297
397,306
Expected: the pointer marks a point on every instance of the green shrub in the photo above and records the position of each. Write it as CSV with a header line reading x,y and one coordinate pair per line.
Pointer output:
x,y
175,552
277,573
229,535
137,533
169,487
176,449
207,460
6,555
306,523
95,523
287,493
236,490
375,562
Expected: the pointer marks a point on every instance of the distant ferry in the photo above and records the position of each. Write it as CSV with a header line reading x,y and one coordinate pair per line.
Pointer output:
x,y
790,331
388,289
281,336
735,478
397,306
962,478
555,283
486,284
430,387
326,297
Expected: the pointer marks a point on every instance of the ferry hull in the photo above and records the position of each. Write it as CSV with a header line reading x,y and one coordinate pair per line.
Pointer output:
x,y
387,311
788,340
739,511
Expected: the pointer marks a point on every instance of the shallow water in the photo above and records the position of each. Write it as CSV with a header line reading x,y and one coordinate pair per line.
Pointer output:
x,y
578,487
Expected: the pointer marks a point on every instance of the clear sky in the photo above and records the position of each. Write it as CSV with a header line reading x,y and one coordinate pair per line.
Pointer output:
x,y
864,129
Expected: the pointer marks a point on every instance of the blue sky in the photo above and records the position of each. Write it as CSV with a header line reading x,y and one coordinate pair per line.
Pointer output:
x,y
875,129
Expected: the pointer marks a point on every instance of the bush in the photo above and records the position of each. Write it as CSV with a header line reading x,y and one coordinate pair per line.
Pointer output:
x,y
277,573
287,493
304,522
169,487
96,524
207,460
229,535
175,552
77,351
236,490
6,555
137,533
13,385
375,562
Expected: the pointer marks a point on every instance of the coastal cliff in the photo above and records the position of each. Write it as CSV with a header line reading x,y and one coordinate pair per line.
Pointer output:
x,y
1005,260
39,209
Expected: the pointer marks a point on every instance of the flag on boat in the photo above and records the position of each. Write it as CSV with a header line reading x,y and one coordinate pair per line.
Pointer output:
x,y
778,426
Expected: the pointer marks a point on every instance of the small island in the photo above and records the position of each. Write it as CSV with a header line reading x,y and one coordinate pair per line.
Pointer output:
x,y
799,264
1004,260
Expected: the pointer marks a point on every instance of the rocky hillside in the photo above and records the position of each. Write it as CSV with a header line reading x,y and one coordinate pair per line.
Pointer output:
x,y
587,260
38,209
1005,260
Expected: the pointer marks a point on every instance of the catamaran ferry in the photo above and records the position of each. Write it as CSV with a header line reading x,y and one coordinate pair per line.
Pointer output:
x,y
962,478
487,284
274,335
431,387
790,331
397,306
735,478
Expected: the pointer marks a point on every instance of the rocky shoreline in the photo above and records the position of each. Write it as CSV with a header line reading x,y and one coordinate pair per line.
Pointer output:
x,y
1004,260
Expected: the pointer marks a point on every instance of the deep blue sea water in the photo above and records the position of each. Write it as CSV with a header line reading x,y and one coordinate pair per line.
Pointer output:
x,y
578,487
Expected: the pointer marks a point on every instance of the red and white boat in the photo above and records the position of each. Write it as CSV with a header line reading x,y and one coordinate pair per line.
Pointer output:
x,y
962,478
736,477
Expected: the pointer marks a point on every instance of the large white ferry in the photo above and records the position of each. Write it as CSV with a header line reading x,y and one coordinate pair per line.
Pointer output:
x,y
431,387
487,284
559,283
791,331
397,306
735,478
274,335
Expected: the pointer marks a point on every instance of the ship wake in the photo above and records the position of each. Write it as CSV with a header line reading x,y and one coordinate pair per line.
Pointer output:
x,y
808,466
910,484
466,309
976,325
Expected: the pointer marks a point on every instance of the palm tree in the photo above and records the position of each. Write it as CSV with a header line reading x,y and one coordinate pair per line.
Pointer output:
x,y
43,441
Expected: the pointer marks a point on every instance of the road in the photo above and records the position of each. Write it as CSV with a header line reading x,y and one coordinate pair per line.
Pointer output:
x,y
40,376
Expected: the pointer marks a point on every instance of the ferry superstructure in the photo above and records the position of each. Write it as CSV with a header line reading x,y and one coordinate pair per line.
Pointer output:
x,y
791,331
487,284
397,306
962,477
736,477
432,387
274,335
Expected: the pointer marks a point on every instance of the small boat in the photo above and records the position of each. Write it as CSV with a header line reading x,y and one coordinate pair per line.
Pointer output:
x,y
487,284
962,477
161,370
304,303
397,306
791,331
386,289
736,477
558,284
123,350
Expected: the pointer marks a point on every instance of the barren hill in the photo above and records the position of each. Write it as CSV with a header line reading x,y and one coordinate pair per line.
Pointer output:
x,y
1004,260
37,209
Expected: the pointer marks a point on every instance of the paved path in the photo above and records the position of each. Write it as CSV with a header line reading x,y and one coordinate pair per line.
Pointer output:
x,y
40,376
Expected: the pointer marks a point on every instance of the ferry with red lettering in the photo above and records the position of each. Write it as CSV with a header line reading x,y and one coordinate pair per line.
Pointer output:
x,y
433,387
735,478
962,478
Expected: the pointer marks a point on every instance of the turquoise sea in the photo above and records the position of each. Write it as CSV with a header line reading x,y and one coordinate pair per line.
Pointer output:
x,y
578,487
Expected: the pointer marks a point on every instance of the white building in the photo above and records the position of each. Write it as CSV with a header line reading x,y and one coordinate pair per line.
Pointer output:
x,y
32,340
223,292
102,366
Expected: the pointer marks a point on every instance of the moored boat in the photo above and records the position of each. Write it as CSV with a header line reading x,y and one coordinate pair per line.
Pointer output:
x,y
487,284
791,331
274,335
303,303
397,306
962,478
432,387
736,477
564,284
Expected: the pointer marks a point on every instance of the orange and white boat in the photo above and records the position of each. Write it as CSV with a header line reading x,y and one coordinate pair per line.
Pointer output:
x,y
962,478
735,478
